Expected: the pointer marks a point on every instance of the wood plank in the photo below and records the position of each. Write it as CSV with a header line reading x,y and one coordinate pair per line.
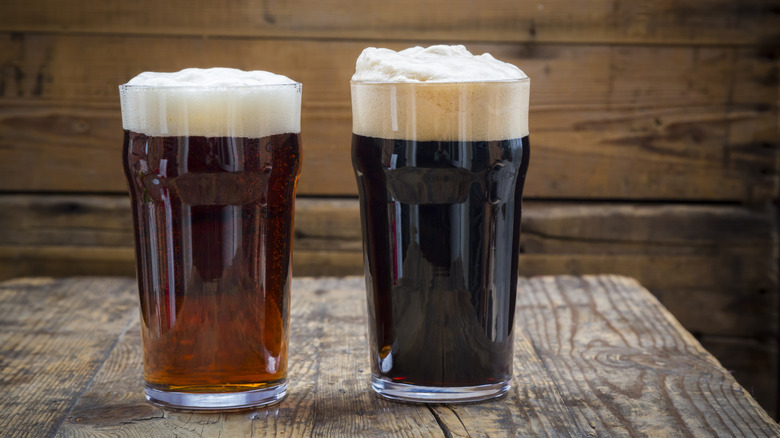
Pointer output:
x,y
106,221
626,366
717,262
663,153
533,396
723,308
56,335
628,122
89,68
727,307
719,276
596,356
753,362
329,393
61,220
667,22
577,227
600,227
64,261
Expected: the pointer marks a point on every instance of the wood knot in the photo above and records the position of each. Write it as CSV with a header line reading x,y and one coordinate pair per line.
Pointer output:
x,y
657,361
661,363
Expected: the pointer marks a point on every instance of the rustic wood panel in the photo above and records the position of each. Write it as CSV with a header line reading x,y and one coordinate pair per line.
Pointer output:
x,y
713,266
105,220
89,68
665,153
633,371
726,307
632,101
548,227
66,261
689,21
56,335
62,220
627,122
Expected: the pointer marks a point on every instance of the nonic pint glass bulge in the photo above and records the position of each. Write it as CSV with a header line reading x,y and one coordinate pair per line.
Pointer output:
x,y
440,151
212,159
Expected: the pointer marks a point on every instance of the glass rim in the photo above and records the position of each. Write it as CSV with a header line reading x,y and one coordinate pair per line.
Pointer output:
x,y
209,87
435,83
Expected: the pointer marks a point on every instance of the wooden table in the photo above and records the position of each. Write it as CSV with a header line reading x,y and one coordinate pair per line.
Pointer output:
x,y
595,356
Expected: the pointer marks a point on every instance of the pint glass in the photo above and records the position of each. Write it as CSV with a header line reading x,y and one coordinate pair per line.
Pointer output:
x,y
212,159
440,169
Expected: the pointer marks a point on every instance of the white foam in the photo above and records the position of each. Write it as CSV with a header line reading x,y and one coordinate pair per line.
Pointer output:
x,y
432,64
438,93
212,102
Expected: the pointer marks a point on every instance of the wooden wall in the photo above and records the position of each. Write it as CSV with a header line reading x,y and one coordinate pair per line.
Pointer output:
x,y
654,133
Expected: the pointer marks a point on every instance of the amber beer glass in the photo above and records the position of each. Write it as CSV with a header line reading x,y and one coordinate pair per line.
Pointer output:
x,y
212,159
440,168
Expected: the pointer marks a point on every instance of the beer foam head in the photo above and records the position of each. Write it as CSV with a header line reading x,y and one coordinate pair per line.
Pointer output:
x,y
438,93
216,102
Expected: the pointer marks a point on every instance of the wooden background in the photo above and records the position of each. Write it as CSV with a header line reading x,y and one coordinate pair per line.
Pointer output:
x,y
654,136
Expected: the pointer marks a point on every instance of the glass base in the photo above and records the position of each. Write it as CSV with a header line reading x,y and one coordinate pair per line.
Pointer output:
x,y
217,401
437,394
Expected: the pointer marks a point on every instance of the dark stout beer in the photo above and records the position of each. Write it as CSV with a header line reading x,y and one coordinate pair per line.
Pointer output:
x,y
442,225
215,220
440,152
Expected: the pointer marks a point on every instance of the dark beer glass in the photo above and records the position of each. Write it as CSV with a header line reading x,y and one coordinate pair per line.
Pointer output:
x,y
212,172
440,169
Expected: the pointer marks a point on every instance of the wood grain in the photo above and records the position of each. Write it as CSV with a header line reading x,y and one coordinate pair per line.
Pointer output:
x,y
627,122
56,335
740,356
89,68
713,266
638,107
727,308
595,356
667,22
619,153
627,368
328,395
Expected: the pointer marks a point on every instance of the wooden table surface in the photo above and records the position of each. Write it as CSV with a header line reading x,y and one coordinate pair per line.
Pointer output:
x,y
594,356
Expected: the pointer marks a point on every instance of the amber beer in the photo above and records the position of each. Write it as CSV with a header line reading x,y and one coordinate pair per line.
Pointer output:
x,y
213,212
440,167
